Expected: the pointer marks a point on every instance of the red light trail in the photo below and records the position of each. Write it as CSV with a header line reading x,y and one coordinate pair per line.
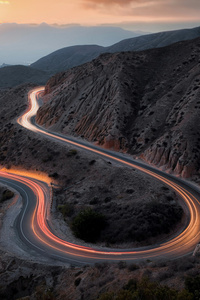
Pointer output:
x,y
40,236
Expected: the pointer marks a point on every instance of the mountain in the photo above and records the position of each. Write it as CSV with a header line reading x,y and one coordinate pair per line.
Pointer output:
x,y
155,40
26,43
67,58
128,101
15,75
4,65
73,56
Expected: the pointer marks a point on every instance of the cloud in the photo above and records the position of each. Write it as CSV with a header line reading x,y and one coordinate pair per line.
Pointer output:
x,y
119,7
143,2
149,9
123,7
122,3
137,4
4,2
108,2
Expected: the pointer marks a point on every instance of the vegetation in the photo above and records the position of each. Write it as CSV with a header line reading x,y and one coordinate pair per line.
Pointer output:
x,y
54,175
77,281
192,284
88,224
141,222
66,209
147,290
7,194
72,152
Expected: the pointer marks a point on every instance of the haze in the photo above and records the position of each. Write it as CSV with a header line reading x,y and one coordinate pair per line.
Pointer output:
x,y
24,44
151,15
88,22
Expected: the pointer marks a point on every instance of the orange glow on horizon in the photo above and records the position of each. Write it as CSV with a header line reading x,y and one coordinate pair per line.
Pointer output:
x,y
91,12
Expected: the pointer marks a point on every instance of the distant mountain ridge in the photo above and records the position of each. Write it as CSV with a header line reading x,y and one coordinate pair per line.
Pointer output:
x,y
11,76
69,57
26,43
155,40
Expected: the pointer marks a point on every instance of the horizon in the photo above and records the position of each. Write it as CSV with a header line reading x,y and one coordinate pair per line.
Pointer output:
x,y
138,28
133,16
25,43
144,15
143,27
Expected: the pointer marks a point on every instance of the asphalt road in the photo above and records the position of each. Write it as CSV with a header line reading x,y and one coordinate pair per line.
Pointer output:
x,y
33,227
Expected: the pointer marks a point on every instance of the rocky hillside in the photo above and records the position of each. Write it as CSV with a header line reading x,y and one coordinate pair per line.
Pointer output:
x,y
66,58
85,181
146,103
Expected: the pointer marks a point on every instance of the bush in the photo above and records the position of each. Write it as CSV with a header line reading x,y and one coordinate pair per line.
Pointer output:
x,y
192,285
146,290
88,224
72,152
122,264
107,296
54,175
77,281
133,267
7,194
130,223
66,209
94,201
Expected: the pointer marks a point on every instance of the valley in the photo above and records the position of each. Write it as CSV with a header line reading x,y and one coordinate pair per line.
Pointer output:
x,y
123,102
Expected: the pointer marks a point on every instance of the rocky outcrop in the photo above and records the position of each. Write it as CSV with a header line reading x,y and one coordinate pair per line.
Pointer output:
x,y
146,103
92,102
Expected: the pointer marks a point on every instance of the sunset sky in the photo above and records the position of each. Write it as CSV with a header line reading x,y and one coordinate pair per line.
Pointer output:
x,y
130,14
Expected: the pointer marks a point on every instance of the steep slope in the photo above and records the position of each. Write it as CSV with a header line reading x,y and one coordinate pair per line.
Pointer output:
x,y
11,76
84,181
146,103
69,57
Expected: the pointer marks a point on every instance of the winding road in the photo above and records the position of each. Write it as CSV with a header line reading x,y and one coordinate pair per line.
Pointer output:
x,y
35,231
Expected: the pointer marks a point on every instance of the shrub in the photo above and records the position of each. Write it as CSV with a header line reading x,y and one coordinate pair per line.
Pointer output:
x,y
92,162
146,290
66,209
77,281
54,175
131,285
7,194
192,285
72,152
133,267
88,224
107,296
121,264
94,201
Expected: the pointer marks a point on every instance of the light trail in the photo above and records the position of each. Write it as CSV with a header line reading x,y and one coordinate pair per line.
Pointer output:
x,y
37,230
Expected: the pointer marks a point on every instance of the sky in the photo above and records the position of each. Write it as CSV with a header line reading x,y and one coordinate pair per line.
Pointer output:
x,y
148,15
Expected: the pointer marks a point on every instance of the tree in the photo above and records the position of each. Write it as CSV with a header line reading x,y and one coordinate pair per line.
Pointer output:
x,y
88,224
